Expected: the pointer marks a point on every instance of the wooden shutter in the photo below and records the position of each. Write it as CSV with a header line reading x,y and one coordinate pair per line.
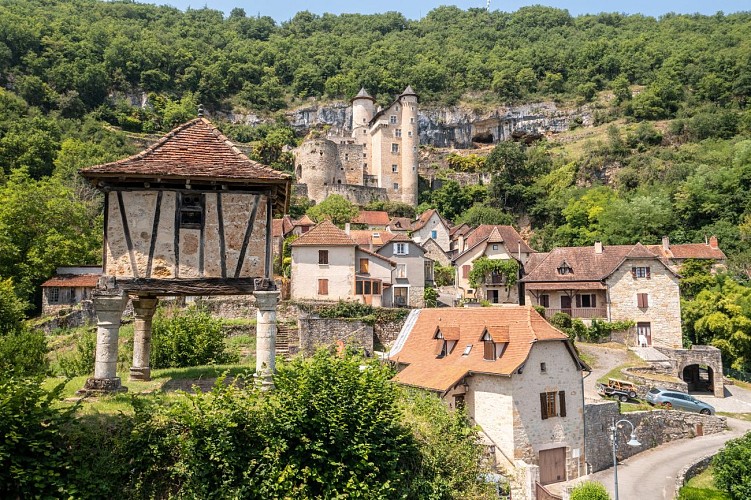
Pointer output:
x,y
465,271
578,300
323,287
323,256
489,350
364,266
633,272
562,400
642,300
543,405
594,300
649,274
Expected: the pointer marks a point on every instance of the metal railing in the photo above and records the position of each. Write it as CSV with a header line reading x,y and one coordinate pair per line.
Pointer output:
x,y
579,312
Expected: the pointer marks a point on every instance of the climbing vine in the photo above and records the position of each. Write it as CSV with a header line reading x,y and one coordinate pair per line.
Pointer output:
x,y
484,267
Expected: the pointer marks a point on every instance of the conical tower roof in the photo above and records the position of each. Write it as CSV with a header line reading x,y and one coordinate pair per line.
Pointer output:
x,y
363,94
408,91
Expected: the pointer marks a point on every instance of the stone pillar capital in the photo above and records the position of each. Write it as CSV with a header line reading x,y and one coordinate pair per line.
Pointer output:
x,y
144,306
266,301
109,304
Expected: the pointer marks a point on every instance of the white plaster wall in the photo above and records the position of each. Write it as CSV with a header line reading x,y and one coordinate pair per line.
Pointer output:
x,y
434,224
340,271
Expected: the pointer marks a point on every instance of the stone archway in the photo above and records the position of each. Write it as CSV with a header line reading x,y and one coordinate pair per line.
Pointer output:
x,y
699,378
700,367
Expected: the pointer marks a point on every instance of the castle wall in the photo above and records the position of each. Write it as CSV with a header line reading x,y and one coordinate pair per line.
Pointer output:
x,y
317,165
350,156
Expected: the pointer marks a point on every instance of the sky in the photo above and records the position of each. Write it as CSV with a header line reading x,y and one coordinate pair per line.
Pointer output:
x,y
282,10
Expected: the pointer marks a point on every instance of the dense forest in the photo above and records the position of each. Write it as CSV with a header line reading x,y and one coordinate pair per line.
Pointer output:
x,y
85,81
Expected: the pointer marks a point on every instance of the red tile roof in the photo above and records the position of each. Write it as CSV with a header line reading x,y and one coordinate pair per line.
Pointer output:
x,y
365,237
379,256
689,251
520,326
424,218
501,234
400,224
325,234
304,221
282,227
73,280
372,218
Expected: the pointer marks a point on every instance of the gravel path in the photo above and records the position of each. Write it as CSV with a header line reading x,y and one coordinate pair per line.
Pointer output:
x,y
606,357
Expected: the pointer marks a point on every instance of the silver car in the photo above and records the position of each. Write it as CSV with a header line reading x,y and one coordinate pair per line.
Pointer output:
x,y
679,400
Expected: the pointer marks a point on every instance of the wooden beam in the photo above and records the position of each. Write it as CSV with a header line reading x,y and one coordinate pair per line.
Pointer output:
x,y
248,233
126,232
188,286
154,232
220,225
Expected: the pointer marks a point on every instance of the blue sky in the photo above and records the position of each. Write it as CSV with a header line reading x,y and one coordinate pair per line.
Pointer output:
x,y
282,10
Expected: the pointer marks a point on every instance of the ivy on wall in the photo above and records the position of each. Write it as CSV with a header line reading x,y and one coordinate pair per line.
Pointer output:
x,y
484,267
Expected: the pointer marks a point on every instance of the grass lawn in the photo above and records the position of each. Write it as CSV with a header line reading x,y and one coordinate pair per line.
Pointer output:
x,y
702,487
739,416
634,361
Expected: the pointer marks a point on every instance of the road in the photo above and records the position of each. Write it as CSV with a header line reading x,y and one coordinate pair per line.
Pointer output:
x,y
651,475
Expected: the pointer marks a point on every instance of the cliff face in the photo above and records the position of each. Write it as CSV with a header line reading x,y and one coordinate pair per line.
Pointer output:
x,y
453,126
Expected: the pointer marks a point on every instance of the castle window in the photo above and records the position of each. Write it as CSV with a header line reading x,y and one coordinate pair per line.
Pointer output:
x,y
412,120
392,119
346,156
395,168
191,211
398,132
409,133
365,155
396,186
394,147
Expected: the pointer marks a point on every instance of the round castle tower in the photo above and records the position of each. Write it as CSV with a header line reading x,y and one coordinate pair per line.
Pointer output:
x,y
410,142
317,165
363,108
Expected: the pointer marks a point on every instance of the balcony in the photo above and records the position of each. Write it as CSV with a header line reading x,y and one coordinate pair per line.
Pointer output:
x,y
495,280
579,312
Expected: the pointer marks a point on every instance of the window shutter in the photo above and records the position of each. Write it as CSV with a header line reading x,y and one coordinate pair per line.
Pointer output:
x,y
543,405
396,248
594,300
562,399
649,274
633,272
465,271
323,287
406,249
578,300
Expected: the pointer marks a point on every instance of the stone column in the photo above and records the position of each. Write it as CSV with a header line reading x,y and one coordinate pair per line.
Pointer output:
x,y
108,306
266,302
144,308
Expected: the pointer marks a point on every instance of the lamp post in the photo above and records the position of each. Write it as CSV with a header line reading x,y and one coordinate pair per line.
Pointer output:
x,y
614,438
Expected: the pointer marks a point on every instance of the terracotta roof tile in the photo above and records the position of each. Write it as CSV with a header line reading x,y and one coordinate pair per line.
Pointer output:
x,y
423,219
461,229
73,280
282,227
325,234
523,325
689,251
366,237
304,221
533,261
507,234
372,218
377,255
194,150
400,224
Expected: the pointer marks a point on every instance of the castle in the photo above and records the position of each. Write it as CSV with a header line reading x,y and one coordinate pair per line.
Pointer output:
x,y
377,162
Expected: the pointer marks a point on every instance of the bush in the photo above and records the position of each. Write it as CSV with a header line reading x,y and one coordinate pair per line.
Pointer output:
x,y
188,338
23,353
444,275
430,295
81,360
11,308
590,490
732,468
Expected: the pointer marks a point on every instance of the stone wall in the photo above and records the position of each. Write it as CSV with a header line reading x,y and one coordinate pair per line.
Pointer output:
x,y
320,332
699,355
652,428
386,333
359,195
645,381
692,470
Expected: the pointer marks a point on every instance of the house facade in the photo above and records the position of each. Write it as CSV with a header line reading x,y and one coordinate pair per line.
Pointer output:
x,y
430,225
518,377
613,283
492,242
413,271
69,287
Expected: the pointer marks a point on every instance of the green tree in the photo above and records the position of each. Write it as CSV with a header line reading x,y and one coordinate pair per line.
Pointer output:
x,y
335,208
11,308
481,214
732,468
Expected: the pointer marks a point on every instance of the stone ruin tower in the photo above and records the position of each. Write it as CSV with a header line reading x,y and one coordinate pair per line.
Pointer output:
x,y
190,215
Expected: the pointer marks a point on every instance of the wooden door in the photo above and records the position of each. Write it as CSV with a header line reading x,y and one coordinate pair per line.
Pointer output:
x,y
566,305
644,329
552,465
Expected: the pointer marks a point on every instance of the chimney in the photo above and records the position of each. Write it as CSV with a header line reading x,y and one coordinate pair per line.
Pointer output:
x,y
713,244
665,243
347,227
598,246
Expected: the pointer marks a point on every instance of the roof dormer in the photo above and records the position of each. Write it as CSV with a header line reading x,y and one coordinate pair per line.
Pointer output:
x,y
564,268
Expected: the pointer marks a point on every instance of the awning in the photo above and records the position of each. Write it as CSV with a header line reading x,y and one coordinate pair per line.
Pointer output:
x,y
563,285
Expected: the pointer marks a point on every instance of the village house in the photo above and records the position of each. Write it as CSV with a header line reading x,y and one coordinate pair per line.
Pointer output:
x,y
372,219
616,282
519,379
676,255
434,252
328,265
413,272
69,287
492,242
401,225
430,225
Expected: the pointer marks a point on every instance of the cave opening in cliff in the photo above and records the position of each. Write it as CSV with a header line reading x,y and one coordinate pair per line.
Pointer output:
x,y
483,138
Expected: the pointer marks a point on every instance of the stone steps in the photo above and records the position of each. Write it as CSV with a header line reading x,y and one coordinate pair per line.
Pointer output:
x,y
650,354
282,340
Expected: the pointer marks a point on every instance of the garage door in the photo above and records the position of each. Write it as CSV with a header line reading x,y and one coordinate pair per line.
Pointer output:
x,y
552,465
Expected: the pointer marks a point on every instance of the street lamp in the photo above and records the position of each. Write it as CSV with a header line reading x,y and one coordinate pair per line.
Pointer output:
x,y
614,437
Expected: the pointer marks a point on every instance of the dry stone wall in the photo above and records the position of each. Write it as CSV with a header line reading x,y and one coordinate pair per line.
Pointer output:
x,y
322,332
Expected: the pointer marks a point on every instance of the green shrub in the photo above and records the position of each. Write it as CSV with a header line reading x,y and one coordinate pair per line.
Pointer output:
x,y
430,295
444,275
590,490
32,455
732,468
11,308
81,360
561,320
187,338
23,353
540,310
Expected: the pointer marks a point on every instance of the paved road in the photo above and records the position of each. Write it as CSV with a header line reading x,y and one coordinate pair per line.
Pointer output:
x,y
651,475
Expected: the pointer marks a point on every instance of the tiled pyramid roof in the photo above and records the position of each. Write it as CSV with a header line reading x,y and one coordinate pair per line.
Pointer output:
x,y
325,234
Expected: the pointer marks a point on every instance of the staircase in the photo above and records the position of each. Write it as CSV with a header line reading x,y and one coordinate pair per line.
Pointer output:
x,y
653,356
282,341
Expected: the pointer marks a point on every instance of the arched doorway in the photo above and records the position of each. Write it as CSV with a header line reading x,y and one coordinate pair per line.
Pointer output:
x,y
699,378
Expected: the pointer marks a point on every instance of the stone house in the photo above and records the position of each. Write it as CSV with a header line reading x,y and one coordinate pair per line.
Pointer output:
x,y
430,225
616,282
434,252
519,379
69,287
378,161
676,255
402,225
413,271
493,242
328,265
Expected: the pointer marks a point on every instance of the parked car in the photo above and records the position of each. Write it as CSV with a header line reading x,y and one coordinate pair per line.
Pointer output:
x,y
679,400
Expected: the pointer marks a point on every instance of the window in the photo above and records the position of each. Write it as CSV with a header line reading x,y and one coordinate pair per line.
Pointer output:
x,y
323,287
396,186
434,234
564,268
467,350
323,257
642,300
545,300
376,288
495,247
553,404
401,249
392,119
640,272
459,401
401,295
586,300
346,156
364,266
394,168
365,155
53,296
398,132
409,133
367,287
644,334
543,368
401,270
412,120
488,347
394,148
191,211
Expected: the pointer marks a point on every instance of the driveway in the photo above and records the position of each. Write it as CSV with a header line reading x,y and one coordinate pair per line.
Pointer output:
x,y
605,359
